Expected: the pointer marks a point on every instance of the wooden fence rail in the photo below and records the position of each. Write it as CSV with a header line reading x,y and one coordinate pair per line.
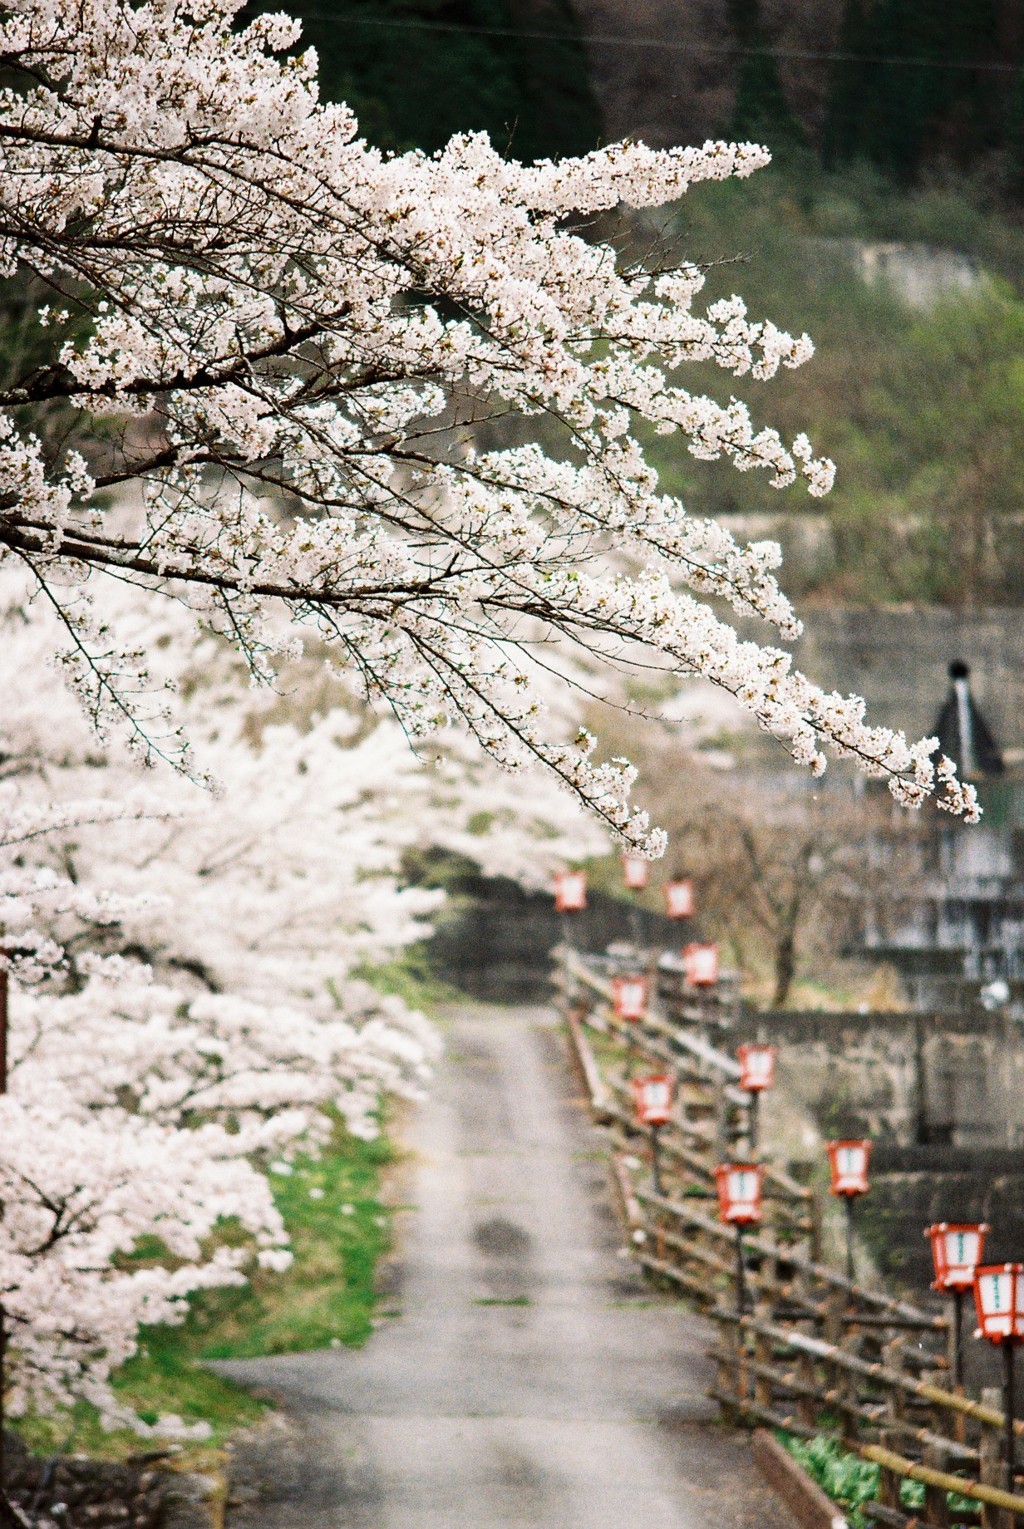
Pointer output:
x,y
813,1352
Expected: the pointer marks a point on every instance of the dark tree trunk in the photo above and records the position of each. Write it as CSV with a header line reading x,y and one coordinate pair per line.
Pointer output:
x,y
785,968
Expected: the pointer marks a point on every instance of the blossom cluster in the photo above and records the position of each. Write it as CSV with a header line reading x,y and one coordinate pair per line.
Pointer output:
x,y
281,328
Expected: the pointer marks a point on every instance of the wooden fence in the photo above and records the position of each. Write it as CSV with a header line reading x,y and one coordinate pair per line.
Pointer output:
x,y
811,1352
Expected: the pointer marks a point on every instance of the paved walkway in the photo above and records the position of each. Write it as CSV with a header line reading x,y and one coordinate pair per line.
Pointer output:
x,y
531,1378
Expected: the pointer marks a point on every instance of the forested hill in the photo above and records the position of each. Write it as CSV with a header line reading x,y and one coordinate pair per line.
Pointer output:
x,y
907,85
892,122
901,83
417,71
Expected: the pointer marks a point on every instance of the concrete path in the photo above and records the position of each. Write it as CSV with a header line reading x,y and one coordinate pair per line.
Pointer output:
x,y
531,1377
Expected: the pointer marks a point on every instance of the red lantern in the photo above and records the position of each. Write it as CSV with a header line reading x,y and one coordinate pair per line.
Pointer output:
x,y
679,899
848,1161
629,998
757,1067
700,965
739,1192
999,1299
652,1097
635,872
570,891
957,1249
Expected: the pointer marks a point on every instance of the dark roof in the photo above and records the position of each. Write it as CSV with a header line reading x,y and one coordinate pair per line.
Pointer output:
x,y
962,731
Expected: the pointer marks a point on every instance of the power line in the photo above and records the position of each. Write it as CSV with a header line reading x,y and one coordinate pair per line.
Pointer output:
x,y
622,40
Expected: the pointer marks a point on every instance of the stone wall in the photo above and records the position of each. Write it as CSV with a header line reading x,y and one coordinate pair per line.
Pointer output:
x,y
901,1078
942,1100
72,1491
898,659
498,944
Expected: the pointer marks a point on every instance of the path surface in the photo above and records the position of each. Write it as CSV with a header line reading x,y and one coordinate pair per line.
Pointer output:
x,y
531,1378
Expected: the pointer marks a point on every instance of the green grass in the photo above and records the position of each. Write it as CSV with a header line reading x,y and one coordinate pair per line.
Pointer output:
x,y
337,1236
411,977
326,1298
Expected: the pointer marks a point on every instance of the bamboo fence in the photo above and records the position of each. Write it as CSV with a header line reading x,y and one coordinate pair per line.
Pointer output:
x,y
810,1352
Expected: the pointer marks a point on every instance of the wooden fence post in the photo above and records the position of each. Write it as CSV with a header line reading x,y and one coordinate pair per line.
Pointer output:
x,y
730,1369
814,1209
991,1470
764,1393
888,1481
807,1408
936,1507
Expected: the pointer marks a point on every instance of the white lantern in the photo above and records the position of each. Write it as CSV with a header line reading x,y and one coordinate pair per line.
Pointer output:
x,y
739,1188
635,872
629,997
757,1067
652,1097
999,1299
956,1252
570,891
700,965
848,1161
679,899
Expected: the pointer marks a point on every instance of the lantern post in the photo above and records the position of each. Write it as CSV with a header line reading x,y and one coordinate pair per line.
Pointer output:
x,y
757,1072
739,1188
570,897
848,1161
999,1301
957,1249
652,1099
635,873
629,1004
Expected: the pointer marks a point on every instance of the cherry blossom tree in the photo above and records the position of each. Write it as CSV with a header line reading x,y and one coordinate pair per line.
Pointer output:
x,y
246,421
267,344
80,1191
187,994
288,877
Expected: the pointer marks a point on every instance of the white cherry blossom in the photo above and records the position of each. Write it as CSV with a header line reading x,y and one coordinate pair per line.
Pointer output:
x,y
277,328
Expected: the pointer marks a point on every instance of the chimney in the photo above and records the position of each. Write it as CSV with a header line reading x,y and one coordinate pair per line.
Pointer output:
x,y
962,731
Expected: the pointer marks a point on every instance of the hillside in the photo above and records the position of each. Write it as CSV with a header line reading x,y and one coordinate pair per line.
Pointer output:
x,y
903,84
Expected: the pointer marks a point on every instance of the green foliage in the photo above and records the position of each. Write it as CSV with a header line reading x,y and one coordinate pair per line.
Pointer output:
x,y
337,1233
852,1482
902,90
846,1478
760,111
920,408
412,977
938,439
417,71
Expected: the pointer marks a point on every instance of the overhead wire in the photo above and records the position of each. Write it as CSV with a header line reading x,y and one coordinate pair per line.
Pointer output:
x,y
634,40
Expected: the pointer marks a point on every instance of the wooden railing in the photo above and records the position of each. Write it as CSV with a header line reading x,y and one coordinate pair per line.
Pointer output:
x,y
812,1352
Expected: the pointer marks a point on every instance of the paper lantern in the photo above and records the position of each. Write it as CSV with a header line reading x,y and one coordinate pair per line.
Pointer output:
x,y
700,965
999,1299
570,891
629,997
652,1097
635,872
848,1161
739,1188
757,1066
957,1250
679,899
